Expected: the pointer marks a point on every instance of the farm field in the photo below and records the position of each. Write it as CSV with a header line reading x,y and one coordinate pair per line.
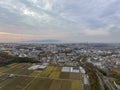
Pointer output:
x,y
50,78
51,71
117,70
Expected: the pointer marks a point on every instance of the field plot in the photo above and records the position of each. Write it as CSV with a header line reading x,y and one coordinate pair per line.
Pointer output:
x,y
76,85
36,73
47,71
1,74
72,76
40,84
64,75
75,76
54,75
3,77
51,71
55,85
20,69
66,85
117,70
17,83
51,84
8,67
55,72
50,78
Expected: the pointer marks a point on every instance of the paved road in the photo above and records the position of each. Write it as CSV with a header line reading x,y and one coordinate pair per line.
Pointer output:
x,y
107,81
100,81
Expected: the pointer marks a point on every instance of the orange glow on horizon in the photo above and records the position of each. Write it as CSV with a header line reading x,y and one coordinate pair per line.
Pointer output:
x,y
4,36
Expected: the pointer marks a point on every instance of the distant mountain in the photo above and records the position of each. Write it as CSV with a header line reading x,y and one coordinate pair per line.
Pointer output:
x,y
44,41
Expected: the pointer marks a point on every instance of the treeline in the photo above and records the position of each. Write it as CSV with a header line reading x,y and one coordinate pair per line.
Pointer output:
x,y
94,82
93,79
6,59
25,59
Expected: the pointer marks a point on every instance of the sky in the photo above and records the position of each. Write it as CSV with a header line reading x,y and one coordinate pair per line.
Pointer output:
x,y
64,20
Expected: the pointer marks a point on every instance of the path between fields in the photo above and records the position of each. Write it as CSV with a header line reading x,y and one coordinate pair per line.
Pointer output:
x,y
40,77
29,84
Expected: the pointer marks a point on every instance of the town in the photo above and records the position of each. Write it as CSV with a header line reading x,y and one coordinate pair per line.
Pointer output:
x,y
92,63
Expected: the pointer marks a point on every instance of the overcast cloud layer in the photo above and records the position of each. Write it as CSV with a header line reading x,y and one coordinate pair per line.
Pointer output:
x,y
65,20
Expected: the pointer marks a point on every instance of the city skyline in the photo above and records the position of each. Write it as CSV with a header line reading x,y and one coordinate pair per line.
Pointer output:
x,y
73,21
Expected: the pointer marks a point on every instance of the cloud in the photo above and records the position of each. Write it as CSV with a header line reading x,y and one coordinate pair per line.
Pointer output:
x,y
96,32
21,37
28,12
64,18
4,33
14,34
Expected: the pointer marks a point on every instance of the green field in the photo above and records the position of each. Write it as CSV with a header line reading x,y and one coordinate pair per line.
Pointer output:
x,y
50,78
51,71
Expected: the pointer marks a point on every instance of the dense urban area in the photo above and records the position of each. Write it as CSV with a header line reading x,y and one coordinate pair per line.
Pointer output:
x,y
85,66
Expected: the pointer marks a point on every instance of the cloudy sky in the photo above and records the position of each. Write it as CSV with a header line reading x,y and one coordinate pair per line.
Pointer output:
x,y
65,20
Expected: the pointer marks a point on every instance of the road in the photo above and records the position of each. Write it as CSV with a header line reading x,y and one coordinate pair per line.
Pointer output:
x,y
100,81
106,81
